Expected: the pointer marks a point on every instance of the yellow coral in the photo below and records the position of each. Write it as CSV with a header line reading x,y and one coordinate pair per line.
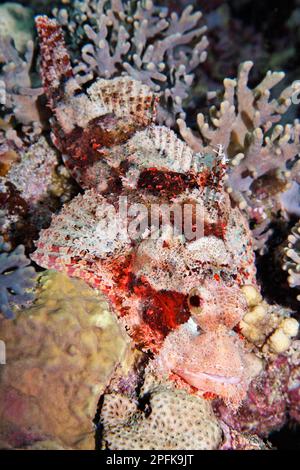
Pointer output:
x,y
61,353
265,325
279,341
252,295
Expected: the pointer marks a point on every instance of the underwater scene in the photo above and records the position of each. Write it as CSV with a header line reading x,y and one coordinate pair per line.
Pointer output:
x,y
149,225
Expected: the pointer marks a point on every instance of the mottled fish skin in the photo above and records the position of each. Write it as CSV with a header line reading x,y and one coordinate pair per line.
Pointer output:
x,y
158,287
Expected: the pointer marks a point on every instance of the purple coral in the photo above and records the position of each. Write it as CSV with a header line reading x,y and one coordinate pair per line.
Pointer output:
x,y
16,276
271,399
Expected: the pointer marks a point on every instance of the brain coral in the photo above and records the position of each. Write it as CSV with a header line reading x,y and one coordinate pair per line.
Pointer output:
x,y
61,352
172,419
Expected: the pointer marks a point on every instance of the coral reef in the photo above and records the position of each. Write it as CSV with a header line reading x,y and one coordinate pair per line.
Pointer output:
x,y
234,440
214,362
61,352
18,93
271,399
291,262
138,284
170,419
168,334
16,22
269,327
16,278
225,33
40,160
141,41
10,146
28,201
263,154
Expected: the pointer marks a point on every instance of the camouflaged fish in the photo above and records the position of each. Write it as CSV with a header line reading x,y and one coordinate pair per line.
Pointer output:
x,y
179,298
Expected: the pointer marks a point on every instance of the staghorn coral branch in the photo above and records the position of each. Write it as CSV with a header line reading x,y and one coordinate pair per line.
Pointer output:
x,y
291,262
248,110
16,82
98,55
263,154
144,42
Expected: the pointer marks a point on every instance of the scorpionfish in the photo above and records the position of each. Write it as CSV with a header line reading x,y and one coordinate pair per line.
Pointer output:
x,y
179,297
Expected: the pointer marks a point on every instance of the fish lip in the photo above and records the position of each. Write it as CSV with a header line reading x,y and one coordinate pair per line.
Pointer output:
x,y
231,380
222,378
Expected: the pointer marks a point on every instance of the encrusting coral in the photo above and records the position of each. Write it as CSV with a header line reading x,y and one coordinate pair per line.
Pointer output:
x,y
61,353
16,278
10,146
142,41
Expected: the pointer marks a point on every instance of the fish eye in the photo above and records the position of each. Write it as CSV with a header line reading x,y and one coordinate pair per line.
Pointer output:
x,y
195,301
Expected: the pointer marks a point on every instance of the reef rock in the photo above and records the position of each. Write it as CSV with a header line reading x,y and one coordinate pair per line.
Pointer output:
x,y
271,399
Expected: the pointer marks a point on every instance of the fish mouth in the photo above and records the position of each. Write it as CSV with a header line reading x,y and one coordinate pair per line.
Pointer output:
x,y
196,376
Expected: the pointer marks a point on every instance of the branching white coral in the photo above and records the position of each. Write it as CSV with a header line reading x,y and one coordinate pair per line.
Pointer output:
x,y
263,154
292,258
269,327
142,41
17,93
